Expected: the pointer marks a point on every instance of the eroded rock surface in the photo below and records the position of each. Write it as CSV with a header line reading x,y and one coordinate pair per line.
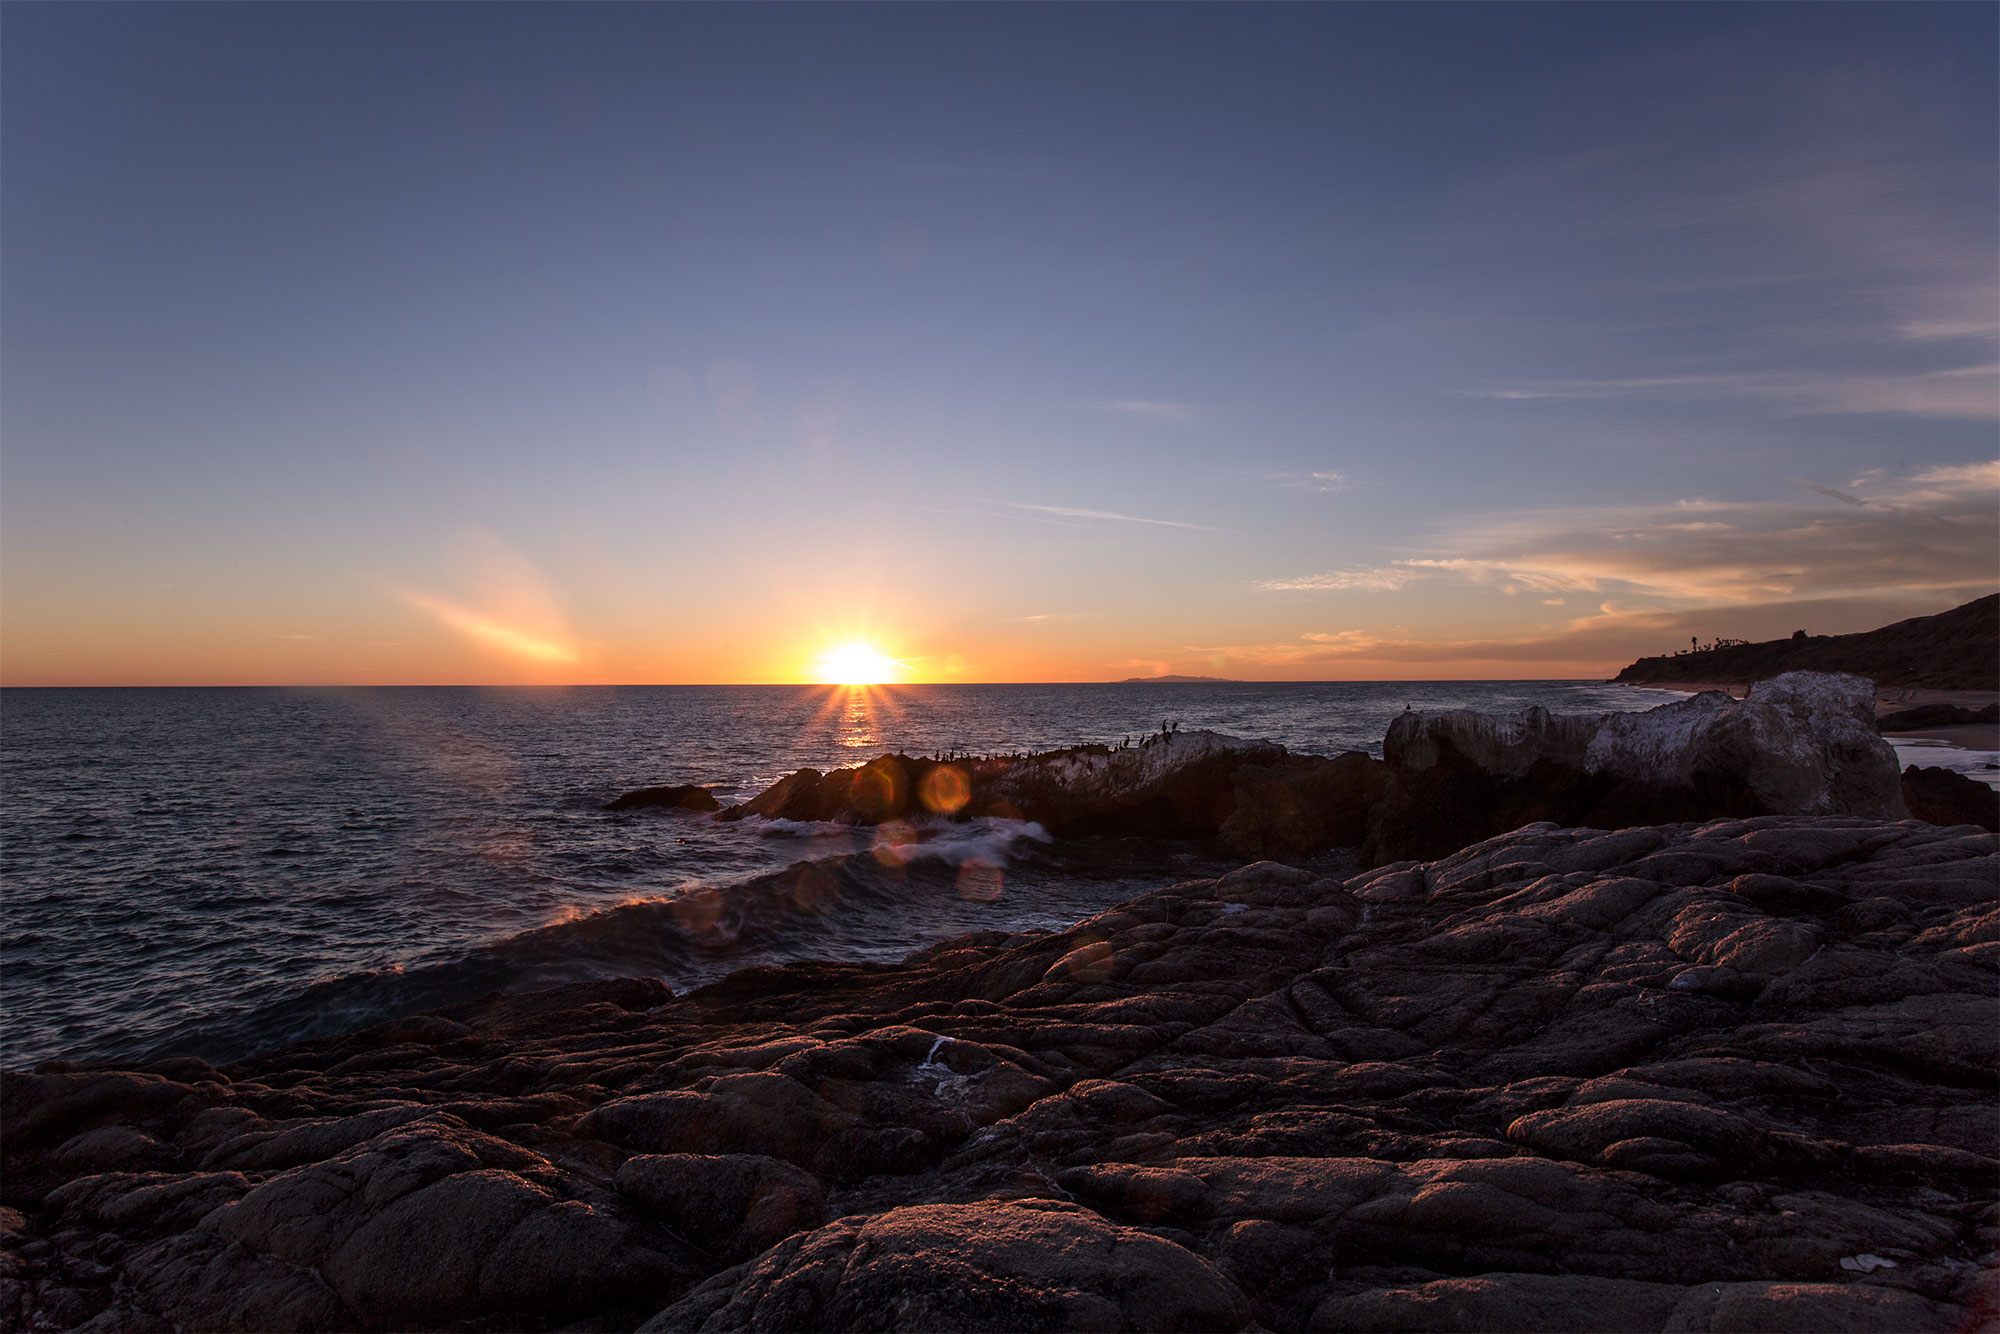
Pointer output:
x,y
1799,744
1737,1075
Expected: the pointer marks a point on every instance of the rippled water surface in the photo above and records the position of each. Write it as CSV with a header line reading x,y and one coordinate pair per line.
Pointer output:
x,y
212,871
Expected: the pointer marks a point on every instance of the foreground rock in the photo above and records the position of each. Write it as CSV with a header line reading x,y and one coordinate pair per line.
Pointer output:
x,y
1729,1076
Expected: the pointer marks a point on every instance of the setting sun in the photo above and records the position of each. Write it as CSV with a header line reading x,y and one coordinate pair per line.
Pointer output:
x,y
856,665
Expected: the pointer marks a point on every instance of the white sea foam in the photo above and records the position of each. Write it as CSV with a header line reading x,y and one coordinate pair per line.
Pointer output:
x,y
988,839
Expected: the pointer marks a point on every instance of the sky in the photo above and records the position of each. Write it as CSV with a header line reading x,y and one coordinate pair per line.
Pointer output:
x,y
633,343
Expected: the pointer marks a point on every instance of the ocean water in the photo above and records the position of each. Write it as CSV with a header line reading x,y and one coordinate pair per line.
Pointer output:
x,y
214,871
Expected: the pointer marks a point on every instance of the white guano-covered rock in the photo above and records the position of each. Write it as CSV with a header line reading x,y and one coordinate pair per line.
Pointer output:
x,y
1800,744
1806,744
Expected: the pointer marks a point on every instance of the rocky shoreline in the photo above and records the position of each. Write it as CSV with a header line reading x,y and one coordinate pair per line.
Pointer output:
x,y
1737,1075
1731,1072
1804,743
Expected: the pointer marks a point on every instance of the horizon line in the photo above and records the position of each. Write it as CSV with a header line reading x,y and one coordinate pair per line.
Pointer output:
x,y
796,685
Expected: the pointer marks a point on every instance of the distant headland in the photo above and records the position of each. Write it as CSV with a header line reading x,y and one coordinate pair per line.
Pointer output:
x,y
1183,680
1953,650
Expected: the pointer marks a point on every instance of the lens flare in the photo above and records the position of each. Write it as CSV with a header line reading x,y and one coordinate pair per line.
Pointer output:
x,y
945,790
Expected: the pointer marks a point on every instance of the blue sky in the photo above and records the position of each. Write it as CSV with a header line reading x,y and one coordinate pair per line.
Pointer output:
x,y
675,343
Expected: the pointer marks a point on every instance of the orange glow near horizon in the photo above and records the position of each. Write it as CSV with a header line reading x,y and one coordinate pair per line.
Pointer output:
x,y
855,664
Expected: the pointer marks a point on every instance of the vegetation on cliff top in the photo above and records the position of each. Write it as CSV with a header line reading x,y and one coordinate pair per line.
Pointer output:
x,y
1953,650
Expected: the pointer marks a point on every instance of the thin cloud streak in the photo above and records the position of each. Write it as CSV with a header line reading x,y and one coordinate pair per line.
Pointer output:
x,y
1066,512
1380,580
1328,481
1831,494
1587,645
1967,392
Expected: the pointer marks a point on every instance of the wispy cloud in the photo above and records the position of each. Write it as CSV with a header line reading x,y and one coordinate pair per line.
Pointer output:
x,y
1067,512
1380,579
1830,493
1934,529
1971,392
1152,410
1593,644
1327,480
1800,239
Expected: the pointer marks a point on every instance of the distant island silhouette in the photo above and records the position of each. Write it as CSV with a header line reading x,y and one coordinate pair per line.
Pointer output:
x,y
1183,680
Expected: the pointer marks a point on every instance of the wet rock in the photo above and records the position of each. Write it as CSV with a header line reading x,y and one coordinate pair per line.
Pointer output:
x,y
1668,1138
1302,805
1608,1306
762,1113
1942,797
1926,716
1810,1308
997,1266
114,1149
793,797
685,797
1172,787
147,1203
1734,1074
432,1222
1570,1304
730,1205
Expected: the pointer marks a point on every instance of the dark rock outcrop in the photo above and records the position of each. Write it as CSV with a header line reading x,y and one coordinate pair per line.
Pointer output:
x,y
1799,744
735,1205
685,797
1735,1075
1953,650
1302,805
1935,715
1176,786
1940,796
999,1266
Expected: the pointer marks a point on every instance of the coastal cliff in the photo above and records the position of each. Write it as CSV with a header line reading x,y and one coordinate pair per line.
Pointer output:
x,y
1953,650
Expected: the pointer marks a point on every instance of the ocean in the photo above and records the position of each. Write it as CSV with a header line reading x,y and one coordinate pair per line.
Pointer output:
x,y
211,872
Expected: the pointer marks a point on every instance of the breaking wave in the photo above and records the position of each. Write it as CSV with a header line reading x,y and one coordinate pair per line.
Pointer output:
x,y
911,886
